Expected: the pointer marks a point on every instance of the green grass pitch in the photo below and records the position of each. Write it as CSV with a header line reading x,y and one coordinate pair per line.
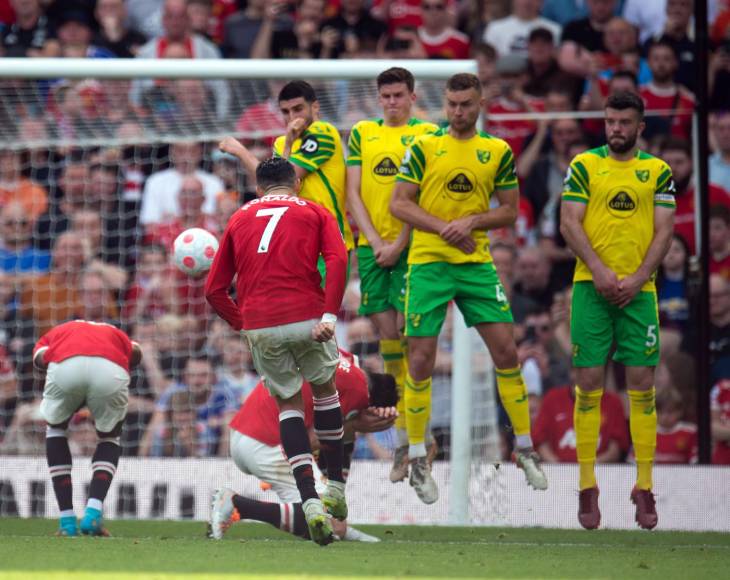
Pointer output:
x,y
165,550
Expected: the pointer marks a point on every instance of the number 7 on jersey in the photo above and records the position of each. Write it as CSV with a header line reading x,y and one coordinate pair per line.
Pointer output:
x,y
275,213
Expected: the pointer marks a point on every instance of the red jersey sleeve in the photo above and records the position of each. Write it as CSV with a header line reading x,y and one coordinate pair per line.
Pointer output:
x,y
219,281
332,248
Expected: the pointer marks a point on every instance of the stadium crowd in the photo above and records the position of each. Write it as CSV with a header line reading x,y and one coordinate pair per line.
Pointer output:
x,y
86,231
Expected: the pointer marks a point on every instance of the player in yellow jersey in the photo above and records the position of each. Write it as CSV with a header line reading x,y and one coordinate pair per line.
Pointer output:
x,y
376,148
617,215
314,148
443,191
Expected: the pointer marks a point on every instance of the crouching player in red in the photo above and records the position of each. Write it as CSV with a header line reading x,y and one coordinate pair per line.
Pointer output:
x,y
86,364
368,405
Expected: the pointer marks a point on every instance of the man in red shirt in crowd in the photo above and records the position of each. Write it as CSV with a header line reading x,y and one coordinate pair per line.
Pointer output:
x,y
367,403
720,422
272,244
554,434
86,364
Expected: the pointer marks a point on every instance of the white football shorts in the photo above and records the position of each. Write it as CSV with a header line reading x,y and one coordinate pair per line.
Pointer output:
x,y
98,383
286,355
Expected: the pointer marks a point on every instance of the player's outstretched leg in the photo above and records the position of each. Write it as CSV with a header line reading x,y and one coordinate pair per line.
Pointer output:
x,y
513,394
58,455
329,430
104,466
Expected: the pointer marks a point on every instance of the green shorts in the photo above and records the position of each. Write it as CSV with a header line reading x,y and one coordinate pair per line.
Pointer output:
x,y
322,269
595,324
381,289
475,288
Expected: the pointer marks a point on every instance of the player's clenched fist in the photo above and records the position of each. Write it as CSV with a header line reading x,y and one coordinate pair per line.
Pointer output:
x,y
230,145
323,331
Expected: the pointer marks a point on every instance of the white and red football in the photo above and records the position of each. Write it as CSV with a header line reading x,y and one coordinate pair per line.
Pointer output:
x,y
194,250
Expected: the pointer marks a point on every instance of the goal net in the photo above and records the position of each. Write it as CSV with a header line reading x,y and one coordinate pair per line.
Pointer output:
x,y
86,164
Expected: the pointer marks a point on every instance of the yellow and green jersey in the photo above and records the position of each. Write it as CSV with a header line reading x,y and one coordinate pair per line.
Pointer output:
x,y
456,179
620,197
378,150
319,151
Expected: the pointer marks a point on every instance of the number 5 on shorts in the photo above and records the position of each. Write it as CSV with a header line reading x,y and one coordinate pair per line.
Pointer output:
x,y
275,214
651,337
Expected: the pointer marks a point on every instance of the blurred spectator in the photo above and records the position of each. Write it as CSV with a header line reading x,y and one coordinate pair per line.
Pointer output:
x,y
438,38
719,328
38,167
398,13
534,279
95,301
678,155
150,295
75,33
720,241
553,433
145,16
379,445
676,33
582,39
647,17
192,109
113,35
236,373
622,53
8,391
719,71
486,57
565,11
32,34
263,120
672,286
504,256
361,338
190,200
242,28
15,187
664,94
212,406
509,35
17,254
543,71
720,159
26,433
159,200
401,43
225,168
720,413
181,435
359,32
676,440
511,99
304,39
200,13
176,26
540,334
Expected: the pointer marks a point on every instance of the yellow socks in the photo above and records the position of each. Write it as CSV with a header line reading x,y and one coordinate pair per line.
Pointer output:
x,y
642,422
587,424
513,393
418,412
394,363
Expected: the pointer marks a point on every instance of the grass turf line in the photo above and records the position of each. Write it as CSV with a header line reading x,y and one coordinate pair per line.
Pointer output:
x,y
165,550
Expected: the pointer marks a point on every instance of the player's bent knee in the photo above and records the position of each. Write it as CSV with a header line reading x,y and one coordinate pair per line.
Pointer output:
x,y
112,435
590,378
58,430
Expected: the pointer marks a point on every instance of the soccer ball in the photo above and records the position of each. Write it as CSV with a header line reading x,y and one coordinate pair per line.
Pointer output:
x,y
194,250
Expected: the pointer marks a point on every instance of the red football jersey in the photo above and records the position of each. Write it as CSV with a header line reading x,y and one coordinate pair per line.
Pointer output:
x,y
676,445
554,423
720,402
258,417
684,216
516,131
273,244
449,44
682,101
84,338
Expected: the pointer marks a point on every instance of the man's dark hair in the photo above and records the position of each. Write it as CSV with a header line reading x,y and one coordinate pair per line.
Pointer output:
x,y
275,171
395,75
625,74
664,44
720,212
296,89
383,390
541,33
464,82
676,144
625,100
485,50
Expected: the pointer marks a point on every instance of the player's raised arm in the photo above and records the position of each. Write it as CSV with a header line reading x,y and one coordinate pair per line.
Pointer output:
x,y
234,147
219,281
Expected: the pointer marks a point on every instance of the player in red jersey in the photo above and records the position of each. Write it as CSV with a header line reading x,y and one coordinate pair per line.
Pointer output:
x,y
272,244
86,364
367,403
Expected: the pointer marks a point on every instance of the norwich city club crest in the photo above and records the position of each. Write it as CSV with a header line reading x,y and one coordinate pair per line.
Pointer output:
x,y
483,156
642,175
407,139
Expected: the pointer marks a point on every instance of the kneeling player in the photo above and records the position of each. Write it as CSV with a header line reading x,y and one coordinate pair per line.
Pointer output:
x,y
87,364
367,404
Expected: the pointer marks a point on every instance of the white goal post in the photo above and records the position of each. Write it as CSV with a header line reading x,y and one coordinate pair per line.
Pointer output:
x,y
338,70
